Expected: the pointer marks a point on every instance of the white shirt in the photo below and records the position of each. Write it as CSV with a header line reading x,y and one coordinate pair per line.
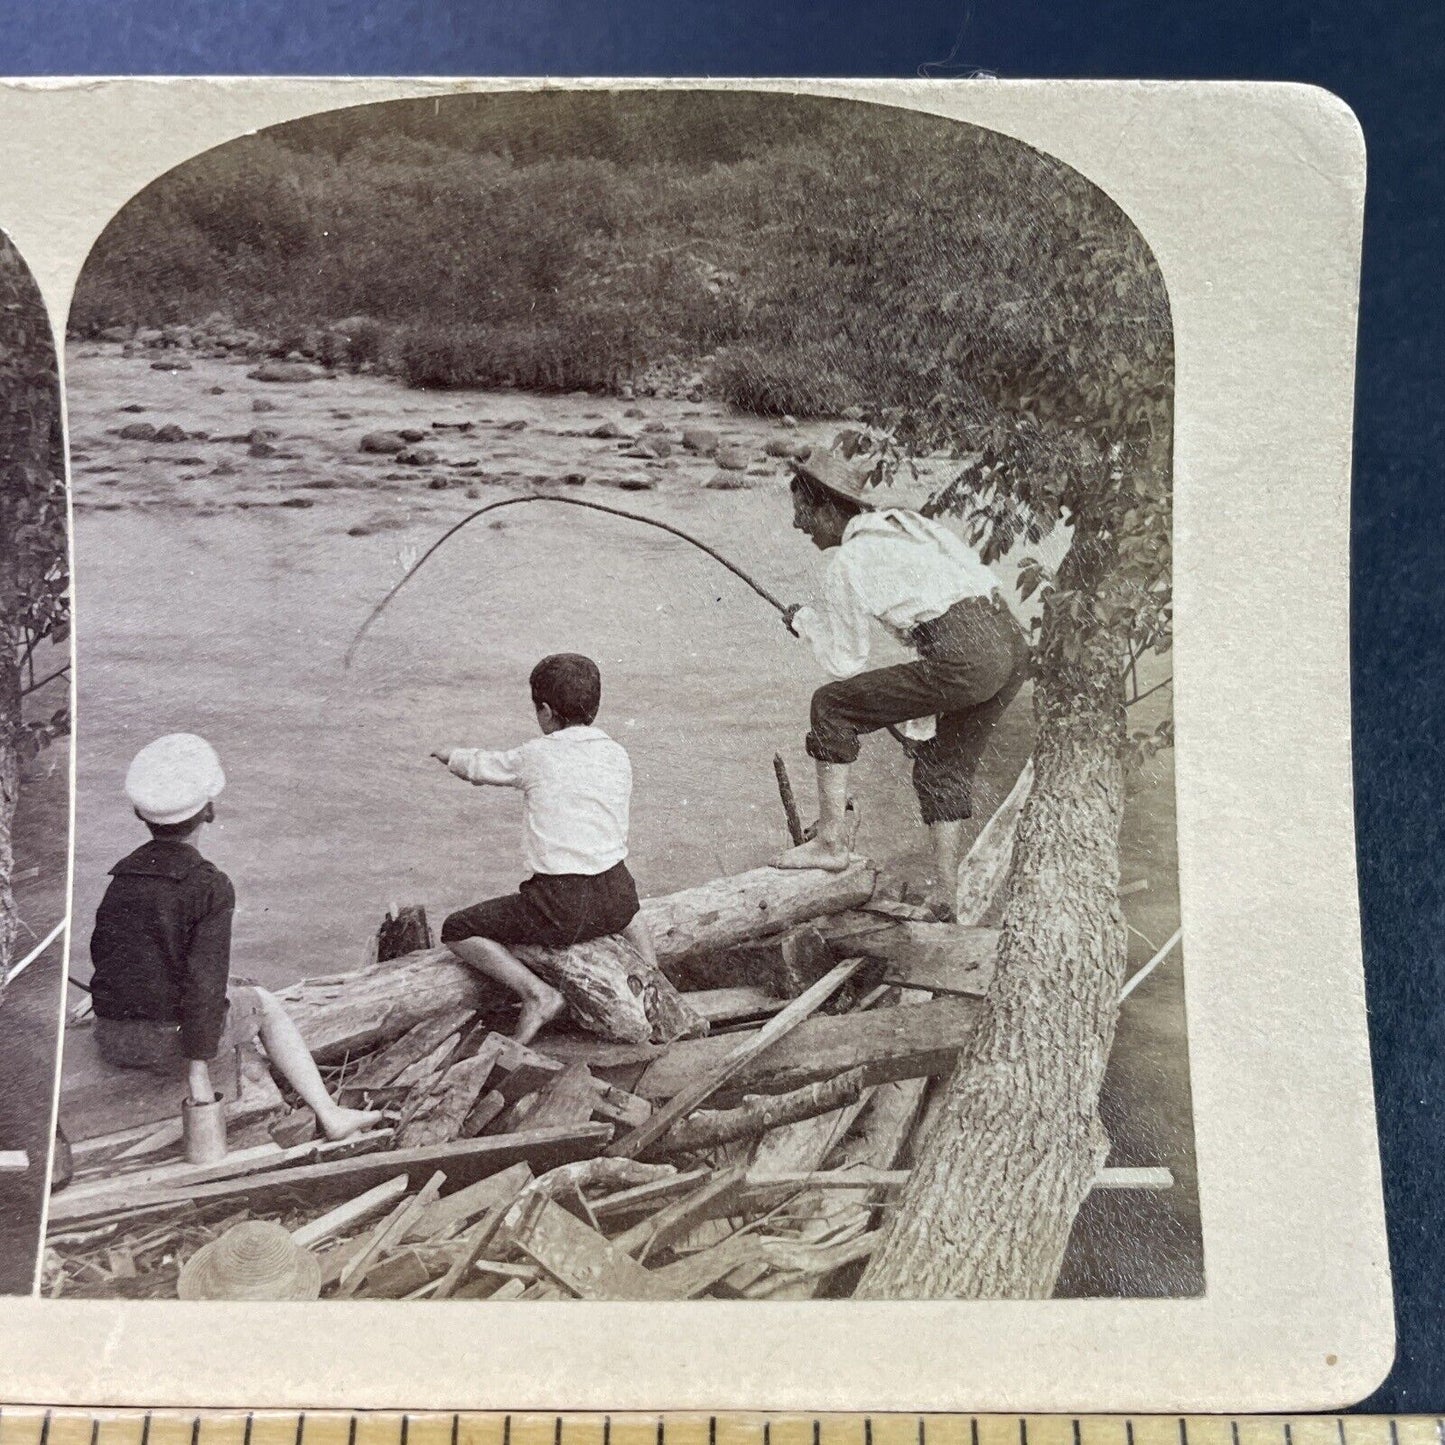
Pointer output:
x,y
899,568
578,787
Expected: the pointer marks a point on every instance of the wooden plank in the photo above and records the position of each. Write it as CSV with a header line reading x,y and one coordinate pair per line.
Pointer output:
x,y
386,1064
481,1234
388,1232
1135,1178
749,1048
907,1042
982,873
524,1070
687,1278
644,1197
714,1197
120,1191
580,1259
444,1113
464,1161
728,1005
353,1212
457,1210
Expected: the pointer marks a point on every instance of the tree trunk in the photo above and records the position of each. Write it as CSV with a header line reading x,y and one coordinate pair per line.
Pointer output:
x,y
1018,1144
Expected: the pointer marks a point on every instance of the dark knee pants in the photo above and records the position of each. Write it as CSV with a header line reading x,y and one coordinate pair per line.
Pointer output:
x,y
971,663
555,910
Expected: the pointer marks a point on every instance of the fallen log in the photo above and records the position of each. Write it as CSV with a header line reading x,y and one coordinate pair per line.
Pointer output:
x,y
907,1042
380,1002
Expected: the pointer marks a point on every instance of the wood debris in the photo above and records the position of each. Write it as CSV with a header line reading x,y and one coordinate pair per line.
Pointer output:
x,y
645,1163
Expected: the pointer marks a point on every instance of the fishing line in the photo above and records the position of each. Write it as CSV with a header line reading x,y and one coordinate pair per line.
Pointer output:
x,y
564,502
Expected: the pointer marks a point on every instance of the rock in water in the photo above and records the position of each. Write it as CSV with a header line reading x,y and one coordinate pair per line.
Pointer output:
x,y
292,371
606,431
261,403
138,431
700,440
727,482
175,365
386,443
417,456
170,432
411,434
731,458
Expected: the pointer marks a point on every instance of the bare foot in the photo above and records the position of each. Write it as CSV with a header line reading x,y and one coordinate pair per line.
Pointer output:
x,y
830,857
537,1013
343,1123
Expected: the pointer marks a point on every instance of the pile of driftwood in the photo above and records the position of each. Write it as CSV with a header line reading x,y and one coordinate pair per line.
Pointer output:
x,y
736,1125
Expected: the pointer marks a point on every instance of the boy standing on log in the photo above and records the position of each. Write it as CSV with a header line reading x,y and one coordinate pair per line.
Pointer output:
x,y
931,592
577,783
161,948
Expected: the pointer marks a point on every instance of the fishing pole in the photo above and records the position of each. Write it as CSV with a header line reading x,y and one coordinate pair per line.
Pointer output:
x,y
565,502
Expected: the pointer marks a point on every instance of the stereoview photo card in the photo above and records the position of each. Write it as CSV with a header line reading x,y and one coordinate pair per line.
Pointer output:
x,y
725,704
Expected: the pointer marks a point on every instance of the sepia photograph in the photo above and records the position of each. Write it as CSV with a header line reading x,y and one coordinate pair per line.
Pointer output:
x,y
34,759
625,743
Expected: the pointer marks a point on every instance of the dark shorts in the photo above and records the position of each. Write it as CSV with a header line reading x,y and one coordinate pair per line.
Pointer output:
x,y
156,1046
555,910
971,663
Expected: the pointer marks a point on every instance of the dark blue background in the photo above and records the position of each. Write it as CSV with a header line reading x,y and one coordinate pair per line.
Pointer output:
x,y
1385,59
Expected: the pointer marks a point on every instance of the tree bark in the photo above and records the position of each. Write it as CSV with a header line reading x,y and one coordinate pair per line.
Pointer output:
x,y
1018,1144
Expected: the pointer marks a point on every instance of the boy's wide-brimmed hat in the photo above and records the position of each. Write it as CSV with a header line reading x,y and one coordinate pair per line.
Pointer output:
x,y
173,778
255,1260
837,475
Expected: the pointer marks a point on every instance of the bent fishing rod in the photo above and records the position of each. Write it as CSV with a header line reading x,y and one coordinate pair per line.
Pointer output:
x,y
562,502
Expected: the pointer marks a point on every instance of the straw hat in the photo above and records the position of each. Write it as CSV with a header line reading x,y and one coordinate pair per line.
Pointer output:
x,y
173,778
251,1261
836,475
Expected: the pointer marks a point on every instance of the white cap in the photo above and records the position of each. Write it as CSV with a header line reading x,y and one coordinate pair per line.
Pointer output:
x,y
173,778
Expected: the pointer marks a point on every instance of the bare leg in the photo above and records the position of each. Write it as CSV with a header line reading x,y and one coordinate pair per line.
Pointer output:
x,y
639,936
829,848
541,1003
288,1053
940,890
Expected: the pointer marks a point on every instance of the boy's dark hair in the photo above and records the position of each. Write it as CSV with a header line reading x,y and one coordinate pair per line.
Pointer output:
x,y
570,685
162,832
817,495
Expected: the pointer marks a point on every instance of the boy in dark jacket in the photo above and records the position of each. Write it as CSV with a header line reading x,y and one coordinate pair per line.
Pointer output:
x,y
161,948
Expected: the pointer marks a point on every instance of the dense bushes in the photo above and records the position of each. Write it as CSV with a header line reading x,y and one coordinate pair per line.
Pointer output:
x,y
805,254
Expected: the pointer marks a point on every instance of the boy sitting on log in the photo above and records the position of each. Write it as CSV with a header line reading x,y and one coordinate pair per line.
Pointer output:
x,y
577,783
161,948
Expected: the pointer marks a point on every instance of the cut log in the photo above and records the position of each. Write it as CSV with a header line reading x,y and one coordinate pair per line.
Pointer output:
x,y
377,1004
760,1112
353,1212
611,990
748,1048
908,1042
464,1161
